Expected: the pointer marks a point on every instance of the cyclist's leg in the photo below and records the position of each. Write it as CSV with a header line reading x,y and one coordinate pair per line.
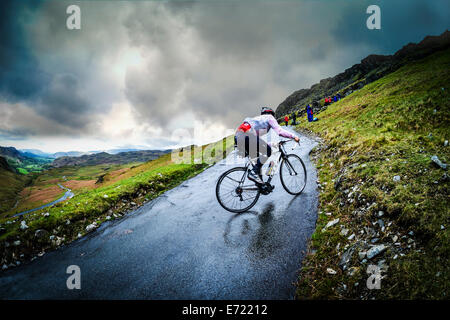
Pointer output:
x,y
264,153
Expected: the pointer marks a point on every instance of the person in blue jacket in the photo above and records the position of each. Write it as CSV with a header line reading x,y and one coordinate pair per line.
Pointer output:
x,y
309,113
335,99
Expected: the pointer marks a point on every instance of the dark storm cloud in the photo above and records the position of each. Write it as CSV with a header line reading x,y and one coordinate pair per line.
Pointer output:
x,y
20,76
216,60
402,21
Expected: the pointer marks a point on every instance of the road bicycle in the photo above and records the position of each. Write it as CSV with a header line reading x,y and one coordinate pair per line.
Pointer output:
x,y
237,193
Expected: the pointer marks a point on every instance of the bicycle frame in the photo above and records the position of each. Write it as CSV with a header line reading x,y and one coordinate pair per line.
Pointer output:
x,y
283,155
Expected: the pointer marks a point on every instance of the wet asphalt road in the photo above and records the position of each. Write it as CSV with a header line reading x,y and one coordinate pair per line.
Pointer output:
x,y
183,245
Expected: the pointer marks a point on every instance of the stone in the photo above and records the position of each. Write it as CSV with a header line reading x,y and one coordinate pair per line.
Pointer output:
x,y
376,250
17,243
362,255
23,225
105,196
351,237
380,213
396,178
46,214
445,143
330,224
344,232
91,227
438,162
331,271
108,218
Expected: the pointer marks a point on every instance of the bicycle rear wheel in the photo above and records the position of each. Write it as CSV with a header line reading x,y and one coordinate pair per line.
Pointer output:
x,y
293,174
235,192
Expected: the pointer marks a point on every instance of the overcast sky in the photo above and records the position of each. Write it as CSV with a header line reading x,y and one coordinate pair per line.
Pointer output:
x,y
138,71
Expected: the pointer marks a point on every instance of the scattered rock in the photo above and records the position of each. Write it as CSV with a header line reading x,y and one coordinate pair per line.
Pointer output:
x,y
46,214
396,178
330,224
91,227
376,250
23,225
380,213
351,237
438,162
331,271
105,196
17,243
344,232
108,218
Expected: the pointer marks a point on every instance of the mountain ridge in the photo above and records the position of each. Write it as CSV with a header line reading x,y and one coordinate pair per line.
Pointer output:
x,y
371,68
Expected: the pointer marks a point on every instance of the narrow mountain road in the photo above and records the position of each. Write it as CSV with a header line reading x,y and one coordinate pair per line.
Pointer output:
x,y
183,245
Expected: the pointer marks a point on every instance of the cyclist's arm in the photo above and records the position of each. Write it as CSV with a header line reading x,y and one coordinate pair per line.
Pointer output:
x,y
279,130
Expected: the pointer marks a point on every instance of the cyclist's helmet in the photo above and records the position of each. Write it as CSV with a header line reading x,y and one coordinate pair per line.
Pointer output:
x,y
267,110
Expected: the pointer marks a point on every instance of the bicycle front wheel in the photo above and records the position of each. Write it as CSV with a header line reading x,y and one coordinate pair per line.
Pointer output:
x,y
293,174
235,192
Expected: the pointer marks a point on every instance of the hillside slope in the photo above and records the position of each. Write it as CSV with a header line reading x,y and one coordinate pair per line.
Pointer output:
x,y
370,69
10,184
384,201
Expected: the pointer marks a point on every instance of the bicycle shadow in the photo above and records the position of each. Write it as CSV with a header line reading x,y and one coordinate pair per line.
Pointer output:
x,y
264,217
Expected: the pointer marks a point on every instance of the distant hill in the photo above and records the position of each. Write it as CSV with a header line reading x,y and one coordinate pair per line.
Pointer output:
x,y
106,158
33,153
371,68
23,162
11,152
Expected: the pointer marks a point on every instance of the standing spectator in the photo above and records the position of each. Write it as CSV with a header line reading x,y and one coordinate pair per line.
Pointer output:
x,y
339,96
335,98
286,119
294,118
309,113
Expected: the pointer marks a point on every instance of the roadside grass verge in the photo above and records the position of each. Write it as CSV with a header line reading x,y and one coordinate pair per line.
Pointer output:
x,y
389,128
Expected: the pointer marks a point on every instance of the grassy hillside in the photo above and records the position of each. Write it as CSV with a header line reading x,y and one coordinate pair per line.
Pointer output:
x,y
377,177
10,185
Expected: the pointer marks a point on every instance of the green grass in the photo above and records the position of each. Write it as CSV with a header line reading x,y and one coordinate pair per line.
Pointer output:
x,y
389,127
10,184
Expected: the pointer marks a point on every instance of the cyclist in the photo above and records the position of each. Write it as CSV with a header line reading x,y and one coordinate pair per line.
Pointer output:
x,y
248,143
